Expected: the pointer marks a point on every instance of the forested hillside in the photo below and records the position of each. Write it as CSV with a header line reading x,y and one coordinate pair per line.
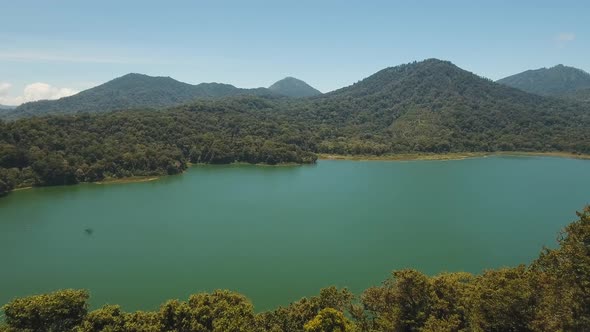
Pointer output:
x,y
582,95
559,81
134,91
425,107
128,92
434,106
61,150
552,294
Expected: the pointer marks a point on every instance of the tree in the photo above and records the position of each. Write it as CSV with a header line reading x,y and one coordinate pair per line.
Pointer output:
x,y
402,303
59,311
329,320
221,311
502,300
449,305
563,275
108,318
175,315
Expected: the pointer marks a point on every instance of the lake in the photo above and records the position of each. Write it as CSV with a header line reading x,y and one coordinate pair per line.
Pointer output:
x,y
277,234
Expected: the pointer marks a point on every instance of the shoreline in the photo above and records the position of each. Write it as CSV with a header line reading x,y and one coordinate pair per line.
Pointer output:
x,y
327,156
131,179
449,156
22,188
148,178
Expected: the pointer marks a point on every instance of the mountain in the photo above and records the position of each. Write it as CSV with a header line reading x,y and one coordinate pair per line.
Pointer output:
x,y
430,106
558,81
292,87
5,107
131,91
435,106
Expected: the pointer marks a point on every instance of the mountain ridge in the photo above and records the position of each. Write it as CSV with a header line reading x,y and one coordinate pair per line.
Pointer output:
x,y
129,91
135,90
430,106
557,81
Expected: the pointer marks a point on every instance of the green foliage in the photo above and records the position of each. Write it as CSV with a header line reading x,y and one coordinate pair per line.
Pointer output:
x,y
67,150
582,95
402,303
108,318
448,309
219,311
329,320
59,311
297,314
559,81
502,300
141,321
563,275
427,107
131,91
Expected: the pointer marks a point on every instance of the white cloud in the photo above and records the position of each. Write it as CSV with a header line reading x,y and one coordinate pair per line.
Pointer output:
x,y
4,87
565,37
33,92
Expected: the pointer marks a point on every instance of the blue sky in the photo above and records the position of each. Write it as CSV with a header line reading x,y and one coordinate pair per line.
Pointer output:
x,y
67,46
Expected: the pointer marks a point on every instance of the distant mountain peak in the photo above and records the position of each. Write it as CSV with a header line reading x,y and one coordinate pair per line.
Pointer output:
x,y
557,81
293,87
403,81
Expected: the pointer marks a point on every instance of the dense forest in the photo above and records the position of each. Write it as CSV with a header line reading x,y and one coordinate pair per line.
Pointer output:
x,y
551,294
582,95
134,91
130,91
558,81
61,150
426,107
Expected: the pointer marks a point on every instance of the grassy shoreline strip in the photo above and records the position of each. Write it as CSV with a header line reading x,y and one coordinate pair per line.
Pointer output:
x,y
132,179
448,156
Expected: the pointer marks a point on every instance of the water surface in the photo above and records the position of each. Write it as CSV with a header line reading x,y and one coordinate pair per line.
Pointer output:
x,y
279,233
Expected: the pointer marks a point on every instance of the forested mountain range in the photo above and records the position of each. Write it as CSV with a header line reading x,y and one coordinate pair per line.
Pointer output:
x,y
423,107
292,87
4,107
436,106
131,91
142,91
558,81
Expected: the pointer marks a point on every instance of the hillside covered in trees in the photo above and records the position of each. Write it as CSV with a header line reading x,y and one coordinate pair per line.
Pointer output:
x,y
551,294
425,107
292,87
129,92
558,81
582,95
133,91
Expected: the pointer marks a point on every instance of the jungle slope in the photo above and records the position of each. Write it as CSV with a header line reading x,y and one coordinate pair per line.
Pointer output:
x,y
428,107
